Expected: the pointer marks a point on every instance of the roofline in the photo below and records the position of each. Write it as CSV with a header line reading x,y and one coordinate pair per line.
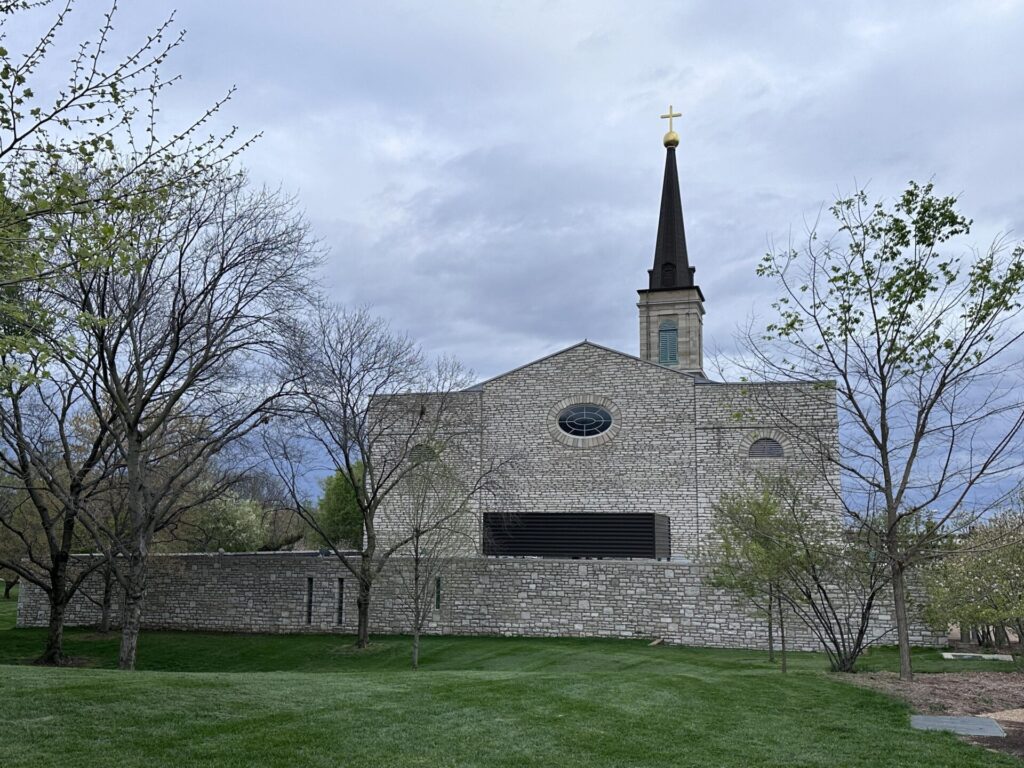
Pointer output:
x,y
586,342
696,288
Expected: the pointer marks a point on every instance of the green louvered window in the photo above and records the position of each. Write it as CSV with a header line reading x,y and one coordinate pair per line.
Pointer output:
x,y
668,343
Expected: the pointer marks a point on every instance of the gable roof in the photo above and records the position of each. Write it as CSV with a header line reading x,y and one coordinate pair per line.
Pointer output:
x,y
585,343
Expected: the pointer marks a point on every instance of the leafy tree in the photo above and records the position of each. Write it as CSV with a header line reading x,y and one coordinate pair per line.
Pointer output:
x,y
90,142
338,510
746,560
238,519
922,338
775,533
981,584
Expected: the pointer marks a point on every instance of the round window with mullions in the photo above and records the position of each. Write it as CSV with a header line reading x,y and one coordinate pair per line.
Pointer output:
x,y
584,420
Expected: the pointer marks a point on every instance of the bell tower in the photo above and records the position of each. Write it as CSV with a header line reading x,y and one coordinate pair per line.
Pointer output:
x,y
672,306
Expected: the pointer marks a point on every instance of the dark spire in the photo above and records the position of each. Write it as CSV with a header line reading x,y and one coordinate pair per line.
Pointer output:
x,y
672,268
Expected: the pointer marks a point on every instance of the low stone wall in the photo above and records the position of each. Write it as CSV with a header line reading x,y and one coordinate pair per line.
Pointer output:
x,y
268,592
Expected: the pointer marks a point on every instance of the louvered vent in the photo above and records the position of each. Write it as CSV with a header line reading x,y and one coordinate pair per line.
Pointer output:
x,y
766,448
577,534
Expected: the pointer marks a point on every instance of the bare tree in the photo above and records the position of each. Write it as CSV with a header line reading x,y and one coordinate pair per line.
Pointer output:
x,y
436,509
182,337
368,405
924,346
52,465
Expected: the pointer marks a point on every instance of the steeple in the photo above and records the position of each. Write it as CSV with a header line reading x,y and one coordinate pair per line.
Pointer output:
x,y
671,262
672,306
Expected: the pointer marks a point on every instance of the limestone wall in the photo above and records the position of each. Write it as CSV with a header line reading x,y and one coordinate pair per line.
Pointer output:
x,y
648,466
479,596
730,417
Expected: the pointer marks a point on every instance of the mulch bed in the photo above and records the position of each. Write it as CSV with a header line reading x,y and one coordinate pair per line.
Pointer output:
x,y
959,693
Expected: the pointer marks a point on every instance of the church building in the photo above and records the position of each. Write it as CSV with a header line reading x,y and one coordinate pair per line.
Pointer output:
x,y
605,528
625,456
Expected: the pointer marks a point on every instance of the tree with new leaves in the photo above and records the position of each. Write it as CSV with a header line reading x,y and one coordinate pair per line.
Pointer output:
x,y
744,559
90,141
922,337
775,536
339,514
981,582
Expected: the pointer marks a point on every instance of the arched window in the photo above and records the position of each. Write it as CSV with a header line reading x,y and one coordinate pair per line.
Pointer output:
x,y
668,275
668,342
766,448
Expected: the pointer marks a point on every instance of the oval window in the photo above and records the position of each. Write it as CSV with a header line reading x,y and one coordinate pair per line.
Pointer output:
x,y
584,420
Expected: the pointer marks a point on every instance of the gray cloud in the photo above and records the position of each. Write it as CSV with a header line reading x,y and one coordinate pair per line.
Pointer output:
x,y
487,175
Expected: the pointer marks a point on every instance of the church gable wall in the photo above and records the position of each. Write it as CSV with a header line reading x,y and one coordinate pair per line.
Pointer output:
x,y
646,466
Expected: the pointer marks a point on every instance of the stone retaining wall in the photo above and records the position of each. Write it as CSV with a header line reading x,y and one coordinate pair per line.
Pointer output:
x,y
267,592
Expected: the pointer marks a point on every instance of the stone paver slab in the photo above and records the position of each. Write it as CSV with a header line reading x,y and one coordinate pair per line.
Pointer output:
x,y
965,726
979,656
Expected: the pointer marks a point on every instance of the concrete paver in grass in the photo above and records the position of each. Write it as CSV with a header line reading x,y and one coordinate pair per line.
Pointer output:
x,y
977,656
965,726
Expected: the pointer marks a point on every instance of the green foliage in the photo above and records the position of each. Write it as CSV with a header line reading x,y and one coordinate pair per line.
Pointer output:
x,y
339,515
881,276
228,522
77,155
774,537
982,582
753,541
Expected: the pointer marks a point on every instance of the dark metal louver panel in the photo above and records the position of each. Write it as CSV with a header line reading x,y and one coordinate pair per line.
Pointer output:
x,y
577,534
765,448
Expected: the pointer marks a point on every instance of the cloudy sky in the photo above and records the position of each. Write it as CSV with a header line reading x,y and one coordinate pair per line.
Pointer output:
x,y
487,175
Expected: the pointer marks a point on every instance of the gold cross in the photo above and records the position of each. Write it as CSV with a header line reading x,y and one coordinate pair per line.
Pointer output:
x,y
670,115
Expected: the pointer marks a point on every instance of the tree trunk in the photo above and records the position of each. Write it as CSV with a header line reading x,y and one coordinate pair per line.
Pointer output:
x,y
131,621
363,613
899,601
782,634
8,586
771,633
53,654
108,598
54,651
984,637
416,648
134,582
1000,636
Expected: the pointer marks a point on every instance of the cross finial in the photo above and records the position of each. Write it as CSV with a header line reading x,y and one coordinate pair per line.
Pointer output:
x,y
669,117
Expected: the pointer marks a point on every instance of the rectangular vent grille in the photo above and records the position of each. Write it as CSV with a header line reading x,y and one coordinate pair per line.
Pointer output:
x,y
577,534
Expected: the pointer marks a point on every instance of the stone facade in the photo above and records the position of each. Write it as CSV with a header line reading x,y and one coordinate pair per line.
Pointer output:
x,y
269,592
677,442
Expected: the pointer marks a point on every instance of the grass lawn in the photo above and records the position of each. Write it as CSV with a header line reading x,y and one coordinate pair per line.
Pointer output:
x,y
223,700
